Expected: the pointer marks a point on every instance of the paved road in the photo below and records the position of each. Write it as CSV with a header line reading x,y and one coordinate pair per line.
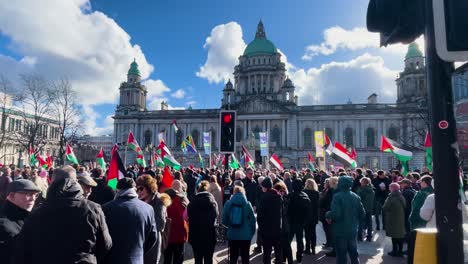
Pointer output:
x,y
369,252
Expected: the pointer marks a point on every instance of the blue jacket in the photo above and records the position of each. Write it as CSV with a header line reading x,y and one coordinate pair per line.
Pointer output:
x,y
346,210
247,229
132,227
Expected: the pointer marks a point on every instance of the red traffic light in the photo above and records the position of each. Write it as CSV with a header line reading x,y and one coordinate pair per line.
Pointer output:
x,y
227,118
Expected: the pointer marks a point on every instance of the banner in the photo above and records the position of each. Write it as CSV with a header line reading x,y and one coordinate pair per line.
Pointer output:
x,y
263,144
318,135
207,143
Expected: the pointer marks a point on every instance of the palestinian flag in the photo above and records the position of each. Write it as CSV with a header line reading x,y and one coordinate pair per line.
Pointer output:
x,y
167,178
116,169
233,162
140,159
311,161
100,159
328,146
158,160
167,157
174,125
248,160
428,147
42,162
276,161
340,154
32,156
200,158
190,144
161,136
50,161
133,144
353,154
70,155
388,145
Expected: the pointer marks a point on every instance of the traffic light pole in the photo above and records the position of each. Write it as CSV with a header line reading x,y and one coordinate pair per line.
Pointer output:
x,y
445,150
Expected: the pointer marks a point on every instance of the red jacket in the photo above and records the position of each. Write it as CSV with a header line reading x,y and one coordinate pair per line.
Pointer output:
x,y
179,227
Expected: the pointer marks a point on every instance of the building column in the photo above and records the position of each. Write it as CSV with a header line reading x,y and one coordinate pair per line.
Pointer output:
x,y
283,135
246,132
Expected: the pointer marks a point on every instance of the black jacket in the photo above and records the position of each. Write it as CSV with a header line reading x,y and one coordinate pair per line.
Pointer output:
x,y
408,194
314,197
202,213
269,215
357,183
325,203
102,193
191,181
65,229
11,221
380,194
250,187
298,209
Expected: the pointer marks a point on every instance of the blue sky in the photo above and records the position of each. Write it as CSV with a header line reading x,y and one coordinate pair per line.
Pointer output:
x,y
187,49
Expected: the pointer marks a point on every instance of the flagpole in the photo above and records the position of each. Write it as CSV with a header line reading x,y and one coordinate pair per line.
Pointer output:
x,y
324,152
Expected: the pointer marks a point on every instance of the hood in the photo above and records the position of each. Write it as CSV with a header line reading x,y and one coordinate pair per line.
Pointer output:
x,y
345,183
64,188
239,198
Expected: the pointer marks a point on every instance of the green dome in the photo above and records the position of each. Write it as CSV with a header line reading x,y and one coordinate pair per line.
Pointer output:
x,y
413,51
260,45
134,69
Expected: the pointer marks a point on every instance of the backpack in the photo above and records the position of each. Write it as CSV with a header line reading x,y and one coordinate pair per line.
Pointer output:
x,y
236,215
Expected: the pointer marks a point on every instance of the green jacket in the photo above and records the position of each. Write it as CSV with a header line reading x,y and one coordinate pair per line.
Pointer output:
x,y
346,210
394,212
415,220
367,195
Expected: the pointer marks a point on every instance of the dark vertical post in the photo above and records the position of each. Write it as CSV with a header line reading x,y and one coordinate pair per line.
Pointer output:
x,y
445,150
226,162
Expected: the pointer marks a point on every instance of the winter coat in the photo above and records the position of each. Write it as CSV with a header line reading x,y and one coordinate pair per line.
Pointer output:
x,y
191,181
408,194
288,183
65,229
250,187
245,231
367,195
160,215
427,211
325,203
298,209
394,213
381,195
179,227
132,227
314,206
269,214
102,193
346,210
11,221
357,183
217,193
202,213
415,219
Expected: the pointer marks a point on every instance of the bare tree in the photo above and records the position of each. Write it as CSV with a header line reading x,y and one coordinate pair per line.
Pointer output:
x,y
35,99
66,112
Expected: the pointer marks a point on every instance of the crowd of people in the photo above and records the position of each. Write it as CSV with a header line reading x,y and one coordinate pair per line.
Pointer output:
x,y
71,215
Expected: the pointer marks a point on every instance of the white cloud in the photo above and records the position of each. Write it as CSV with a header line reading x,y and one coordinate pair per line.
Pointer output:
x,y
69,39
89,122
337,38
179,94
336,82
224,45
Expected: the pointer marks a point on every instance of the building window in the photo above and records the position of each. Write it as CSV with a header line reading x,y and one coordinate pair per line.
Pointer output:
x,y
370,137
349,137
179,137
195,136
308,138
148,136
276,135
238,134
393,133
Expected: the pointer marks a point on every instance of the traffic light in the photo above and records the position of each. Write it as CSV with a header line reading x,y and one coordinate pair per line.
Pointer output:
x,y
227,124
396,20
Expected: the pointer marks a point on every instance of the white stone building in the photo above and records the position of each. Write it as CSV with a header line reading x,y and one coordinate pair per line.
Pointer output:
x,y
265,101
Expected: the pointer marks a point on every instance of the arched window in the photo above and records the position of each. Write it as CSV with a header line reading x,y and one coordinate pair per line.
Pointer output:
x,y
307,138
148,136
196,137
179,137
393,133
276,135
349,137
329,132
370,137
238,134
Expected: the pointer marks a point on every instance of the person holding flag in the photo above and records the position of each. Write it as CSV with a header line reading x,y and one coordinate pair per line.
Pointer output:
x,y
100,159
